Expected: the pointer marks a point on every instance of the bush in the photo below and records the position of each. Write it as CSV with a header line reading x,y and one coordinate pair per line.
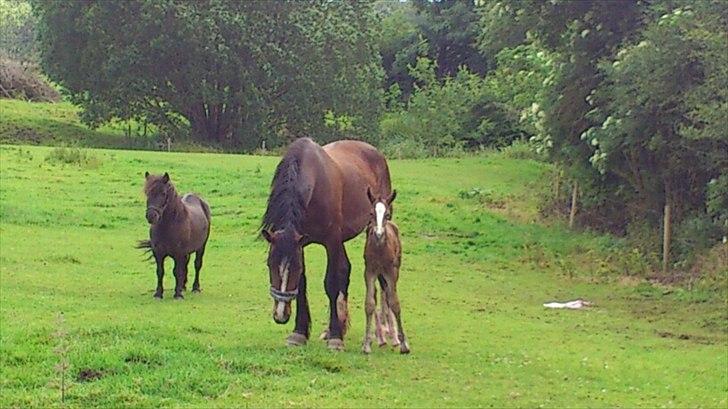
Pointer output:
x,y
443,118
19,81
522,149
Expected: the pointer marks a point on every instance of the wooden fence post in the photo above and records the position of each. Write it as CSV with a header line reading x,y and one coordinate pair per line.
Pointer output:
x,y
666,231
574,196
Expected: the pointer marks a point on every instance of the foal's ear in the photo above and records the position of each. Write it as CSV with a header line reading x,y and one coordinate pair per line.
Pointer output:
x,y
266,235
146,175
165,178
370,196
392,196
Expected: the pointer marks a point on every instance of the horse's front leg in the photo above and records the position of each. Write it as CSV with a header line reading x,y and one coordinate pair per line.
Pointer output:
x,y
303,315
160,275
338,270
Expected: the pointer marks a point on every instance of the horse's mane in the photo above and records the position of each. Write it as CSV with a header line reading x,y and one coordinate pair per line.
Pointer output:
x,y
286,204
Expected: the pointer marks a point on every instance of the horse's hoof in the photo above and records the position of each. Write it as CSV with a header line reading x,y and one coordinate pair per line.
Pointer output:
x,y
158,296
179,297
404,348
366,348
296,340
335,344
196,290
382,343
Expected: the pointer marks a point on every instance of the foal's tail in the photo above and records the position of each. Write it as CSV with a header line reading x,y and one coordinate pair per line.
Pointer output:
x,y
145,245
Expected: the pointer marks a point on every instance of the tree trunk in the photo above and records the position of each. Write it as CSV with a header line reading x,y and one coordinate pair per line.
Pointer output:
x,y
667,234
574,196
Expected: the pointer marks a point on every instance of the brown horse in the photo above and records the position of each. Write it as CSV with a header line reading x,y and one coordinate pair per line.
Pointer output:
x,y
318,195
382,258
179,226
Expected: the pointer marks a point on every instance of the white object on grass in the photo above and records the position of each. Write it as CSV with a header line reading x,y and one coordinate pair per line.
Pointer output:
x,y
571,305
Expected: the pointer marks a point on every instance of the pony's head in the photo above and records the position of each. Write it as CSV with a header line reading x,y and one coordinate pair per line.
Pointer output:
x,y
285,265
159,190
380,213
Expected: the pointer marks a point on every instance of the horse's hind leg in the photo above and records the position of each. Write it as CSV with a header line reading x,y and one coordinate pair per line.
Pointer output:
x,y
198,267
160,275
180,271
393,300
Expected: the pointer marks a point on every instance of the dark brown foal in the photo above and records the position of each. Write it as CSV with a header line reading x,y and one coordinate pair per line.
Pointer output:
x,y
382,258
180,226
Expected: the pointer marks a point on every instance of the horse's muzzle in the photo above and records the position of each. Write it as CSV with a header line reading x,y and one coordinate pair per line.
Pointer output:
x,y
281,312
152,216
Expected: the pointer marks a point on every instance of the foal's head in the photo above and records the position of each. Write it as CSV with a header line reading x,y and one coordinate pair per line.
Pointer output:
x,y
381,212
159,191
285,265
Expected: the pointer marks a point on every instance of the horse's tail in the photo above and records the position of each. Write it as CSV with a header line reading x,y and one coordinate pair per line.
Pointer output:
x,y
206,210
145,245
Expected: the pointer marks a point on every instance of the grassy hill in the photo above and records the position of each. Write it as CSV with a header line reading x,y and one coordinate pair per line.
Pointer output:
x,y
476,269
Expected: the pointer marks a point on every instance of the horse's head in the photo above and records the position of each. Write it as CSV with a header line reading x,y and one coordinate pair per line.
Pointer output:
x,y
285,264
381,212
158,190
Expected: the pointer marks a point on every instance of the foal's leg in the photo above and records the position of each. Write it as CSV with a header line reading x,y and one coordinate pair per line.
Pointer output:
x,y
370,306
160,275
393,300
180,270
198,267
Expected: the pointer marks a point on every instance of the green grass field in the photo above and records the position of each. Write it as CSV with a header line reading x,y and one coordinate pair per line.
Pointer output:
x,y
476,270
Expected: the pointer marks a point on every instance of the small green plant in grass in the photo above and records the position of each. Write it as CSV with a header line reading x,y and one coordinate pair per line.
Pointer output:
x,y
73,156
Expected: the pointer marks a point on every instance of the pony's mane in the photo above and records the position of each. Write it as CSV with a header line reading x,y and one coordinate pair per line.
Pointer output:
x,y
285,203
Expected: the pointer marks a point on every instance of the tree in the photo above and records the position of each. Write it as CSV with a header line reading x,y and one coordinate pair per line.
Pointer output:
x,y
233,73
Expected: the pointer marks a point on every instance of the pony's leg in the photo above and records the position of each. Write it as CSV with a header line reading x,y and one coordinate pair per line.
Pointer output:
x,y
303,316
160,275
393,300
198,267
370,306
180,270
336,283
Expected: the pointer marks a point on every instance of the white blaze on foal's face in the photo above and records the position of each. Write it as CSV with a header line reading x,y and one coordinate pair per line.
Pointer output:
x,y
283,271
380,209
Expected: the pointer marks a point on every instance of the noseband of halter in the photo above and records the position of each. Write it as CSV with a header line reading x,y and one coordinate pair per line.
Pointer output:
x,y
155,208
283,296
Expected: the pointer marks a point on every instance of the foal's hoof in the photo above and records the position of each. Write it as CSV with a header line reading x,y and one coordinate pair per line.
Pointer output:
x,y
296,340
335,344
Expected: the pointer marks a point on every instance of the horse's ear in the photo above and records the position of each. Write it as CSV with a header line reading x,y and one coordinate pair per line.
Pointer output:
x,y
392,196
165,178
266,235
370,196
146,175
